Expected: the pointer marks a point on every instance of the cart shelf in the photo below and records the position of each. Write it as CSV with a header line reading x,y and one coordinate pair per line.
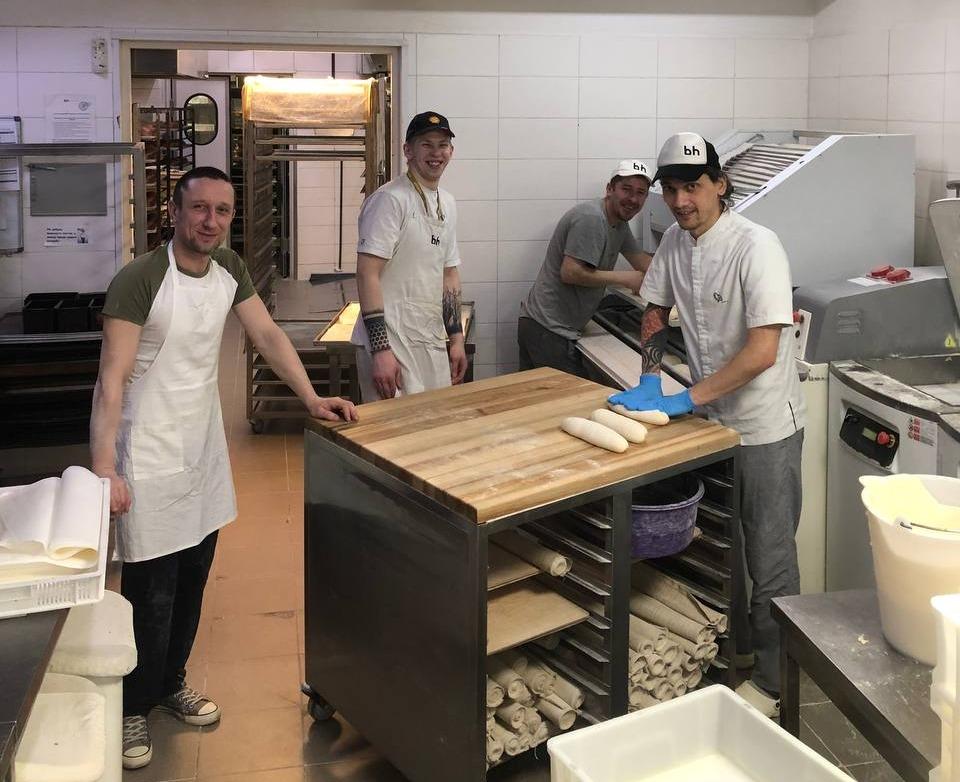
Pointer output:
x,y
522,612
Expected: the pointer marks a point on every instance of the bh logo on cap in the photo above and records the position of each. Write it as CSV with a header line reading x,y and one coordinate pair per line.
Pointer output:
x,y
434,119
691,151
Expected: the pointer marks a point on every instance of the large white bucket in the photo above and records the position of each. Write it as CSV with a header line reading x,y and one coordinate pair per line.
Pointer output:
x,y
913,563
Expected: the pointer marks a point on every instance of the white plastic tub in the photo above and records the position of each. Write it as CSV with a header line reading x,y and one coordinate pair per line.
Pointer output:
x,y
946,685
711,735
911,563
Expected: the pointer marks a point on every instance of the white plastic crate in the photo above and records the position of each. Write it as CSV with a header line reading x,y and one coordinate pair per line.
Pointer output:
x,y
52,592
712,734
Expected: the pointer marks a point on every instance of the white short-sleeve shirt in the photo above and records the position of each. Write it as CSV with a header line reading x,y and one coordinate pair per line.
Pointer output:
x,y
735,277
385,213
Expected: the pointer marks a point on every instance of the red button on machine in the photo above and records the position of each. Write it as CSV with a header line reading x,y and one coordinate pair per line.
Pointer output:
x,y
880,272
884,438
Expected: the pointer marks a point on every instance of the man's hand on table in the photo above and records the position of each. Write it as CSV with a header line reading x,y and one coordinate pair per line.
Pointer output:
x,y
332,409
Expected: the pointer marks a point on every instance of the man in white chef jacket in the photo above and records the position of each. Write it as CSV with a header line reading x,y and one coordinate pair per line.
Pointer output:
x,y
157,433
730,281
407,274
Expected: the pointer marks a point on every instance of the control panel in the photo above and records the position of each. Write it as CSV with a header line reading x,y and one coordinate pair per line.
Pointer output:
x,y
870,438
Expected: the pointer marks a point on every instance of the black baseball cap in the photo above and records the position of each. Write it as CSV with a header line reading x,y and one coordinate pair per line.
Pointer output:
x,y
686,156
427,121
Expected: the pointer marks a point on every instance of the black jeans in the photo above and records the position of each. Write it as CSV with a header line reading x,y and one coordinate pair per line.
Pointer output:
x,y
540,347
166,594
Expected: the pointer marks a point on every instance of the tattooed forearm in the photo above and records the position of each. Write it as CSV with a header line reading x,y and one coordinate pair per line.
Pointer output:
x,y
653,336
451,311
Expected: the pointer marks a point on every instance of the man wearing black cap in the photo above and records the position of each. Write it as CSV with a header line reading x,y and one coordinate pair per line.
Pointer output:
x,y
407,275
730,281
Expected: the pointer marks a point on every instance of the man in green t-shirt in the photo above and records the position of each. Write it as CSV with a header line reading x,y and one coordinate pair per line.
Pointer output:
x,y
156,431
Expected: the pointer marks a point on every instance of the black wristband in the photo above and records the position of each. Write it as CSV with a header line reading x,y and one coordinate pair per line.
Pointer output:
x,y
376,327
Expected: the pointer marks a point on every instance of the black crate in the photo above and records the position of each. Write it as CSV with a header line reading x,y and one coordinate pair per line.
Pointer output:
x,y
40,311
93,302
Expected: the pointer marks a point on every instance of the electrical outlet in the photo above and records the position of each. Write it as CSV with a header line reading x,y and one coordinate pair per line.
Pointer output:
x,y
98,56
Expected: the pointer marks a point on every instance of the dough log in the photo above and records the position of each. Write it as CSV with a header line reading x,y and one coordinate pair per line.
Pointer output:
x,y
655,417
633,431
594,433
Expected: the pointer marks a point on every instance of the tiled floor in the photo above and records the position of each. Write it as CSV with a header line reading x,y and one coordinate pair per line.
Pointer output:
x,y
249,650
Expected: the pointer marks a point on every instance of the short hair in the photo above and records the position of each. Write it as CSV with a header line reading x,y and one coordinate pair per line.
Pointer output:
x,y
200,172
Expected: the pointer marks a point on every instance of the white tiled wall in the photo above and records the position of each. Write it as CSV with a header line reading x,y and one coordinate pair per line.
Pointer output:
x,y
541,118
887,72
35,65
540,121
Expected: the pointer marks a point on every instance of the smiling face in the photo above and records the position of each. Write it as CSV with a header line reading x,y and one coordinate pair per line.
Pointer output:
x,y
428,155
696,205
204,215
626,196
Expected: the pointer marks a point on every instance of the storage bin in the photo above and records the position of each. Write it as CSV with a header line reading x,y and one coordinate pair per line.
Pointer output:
x,y
97,643
911,563
664,516
40,311
711,734
946,684
71,315
64,739
95,302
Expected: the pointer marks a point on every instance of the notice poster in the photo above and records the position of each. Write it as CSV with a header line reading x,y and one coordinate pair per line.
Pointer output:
x,y
65,235
71,118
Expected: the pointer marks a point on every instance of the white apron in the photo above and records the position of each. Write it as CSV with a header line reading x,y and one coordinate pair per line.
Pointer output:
x,y
171,446
412,285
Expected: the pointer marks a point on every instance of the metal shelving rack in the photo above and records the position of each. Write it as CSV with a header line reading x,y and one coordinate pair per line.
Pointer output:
x,y
268,147
169,152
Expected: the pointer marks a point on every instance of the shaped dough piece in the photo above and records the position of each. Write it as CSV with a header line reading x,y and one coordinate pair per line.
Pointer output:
x,y
633,431
594,433
655,417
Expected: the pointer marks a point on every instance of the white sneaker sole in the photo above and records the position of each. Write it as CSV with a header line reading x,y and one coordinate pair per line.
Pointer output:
x,y
200,720
139,761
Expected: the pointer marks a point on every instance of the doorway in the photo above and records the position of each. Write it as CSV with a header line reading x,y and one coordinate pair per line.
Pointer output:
x,y
316,203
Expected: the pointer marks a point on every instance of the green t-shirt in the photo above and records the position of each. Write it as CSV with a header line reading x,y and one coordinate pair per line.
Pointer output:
x,y
133,289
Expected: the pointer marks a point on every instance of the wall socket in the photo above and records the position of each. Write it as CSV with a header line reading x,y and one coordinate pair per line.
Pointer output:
x,y
98,55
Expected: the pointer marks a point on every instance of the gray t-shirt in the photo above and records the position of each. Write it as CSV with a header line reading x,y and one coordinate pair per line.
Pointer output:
x,y
583,233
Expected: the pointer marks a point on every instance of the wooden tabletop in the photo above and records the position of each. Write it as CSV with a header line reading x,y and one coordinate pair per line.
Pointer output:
x,y
494,447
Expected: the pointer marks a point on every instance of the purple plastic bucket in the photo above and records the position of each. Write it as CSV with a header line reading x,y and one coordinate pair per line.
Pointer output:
x,y
659,530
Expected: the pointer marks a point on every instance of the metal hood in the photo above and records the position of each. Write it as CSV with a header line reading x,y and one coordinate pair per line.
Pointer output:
x,y
168,63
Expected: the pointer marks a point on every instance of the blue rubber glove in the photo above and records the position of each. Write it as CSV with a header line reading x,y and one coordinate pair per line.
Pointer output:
x,y
641,397
677,404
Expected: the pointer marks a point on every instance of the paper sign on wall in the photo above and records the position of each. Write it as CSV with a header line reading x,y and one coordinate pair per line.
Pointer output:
x,y
71,118
60,235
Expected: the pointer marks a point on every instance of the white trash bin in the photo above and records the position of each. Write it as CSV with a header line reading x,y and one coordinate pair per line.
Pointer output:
x,y
64,739
916,554
97,643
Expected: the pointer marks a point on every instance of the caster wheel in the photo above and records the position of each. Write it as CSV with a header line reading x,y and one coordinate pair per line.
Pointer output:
x,y
319,709
257,426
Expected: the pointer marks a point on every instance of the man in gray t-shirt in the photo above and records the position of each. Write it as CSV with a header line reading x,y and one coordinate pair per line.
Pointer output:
x,y
577,268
